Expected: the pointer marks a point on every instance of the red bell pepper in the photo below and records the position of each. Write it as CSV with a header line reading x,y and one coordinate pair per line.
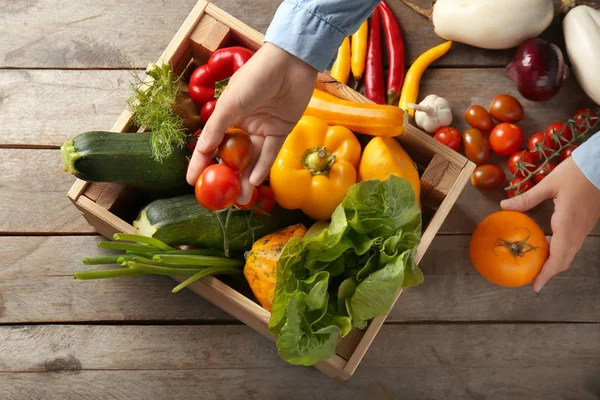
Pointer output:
x,y
209,80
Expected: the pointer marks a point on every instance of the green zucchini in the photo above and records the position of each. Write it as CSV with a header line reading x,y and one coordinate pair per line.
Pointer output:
x,y
182,220
125,158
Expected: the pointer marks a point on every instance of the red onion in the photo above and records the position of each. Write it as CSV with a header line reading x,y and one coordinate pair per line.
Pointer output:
x,y
538,70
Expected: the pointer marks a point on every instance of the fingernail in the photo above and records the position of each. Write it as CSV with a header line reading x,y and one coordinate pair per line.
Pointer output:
x,y
201,143
537,287
507,204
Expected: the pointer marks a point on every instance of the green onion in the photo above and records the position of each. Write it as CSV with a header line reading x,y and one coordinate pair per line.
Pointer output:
x,y
198,252
142,239
100,260
107,273
153,269
203,273
138,248
205,261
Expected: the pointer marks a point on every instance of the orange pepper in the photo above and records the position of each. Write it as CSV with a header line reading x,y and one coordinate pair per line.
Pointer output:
x,y
315,168
369,119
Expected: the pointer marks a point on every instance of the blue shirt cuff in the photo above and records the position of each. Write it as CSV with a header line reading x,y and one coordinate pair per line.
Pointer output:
x,y
587,158
300,32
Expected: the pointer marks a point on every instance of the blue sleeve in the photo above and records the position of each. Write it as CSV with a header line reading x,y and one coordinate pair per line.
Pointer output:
x,y
312,30
587,158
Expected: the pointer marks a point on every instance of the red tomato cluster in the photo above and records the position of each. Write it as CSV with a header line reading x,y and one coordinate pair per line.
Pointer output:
x,y
218,187
506,139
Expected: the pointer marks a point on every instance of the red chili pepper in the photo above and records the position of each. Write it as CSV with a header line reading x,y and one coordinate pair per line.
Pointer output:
x,y
209,80
395,45
374,85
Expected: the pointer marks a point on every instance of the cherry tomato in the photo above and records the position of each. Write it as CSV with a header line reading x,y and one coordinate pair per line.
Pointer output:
x,y
506,138
266,200
206,111
579,115
559,132
567,151
487,177
448,136
236,149
508,248
505,108
539,144
544,172
251,203
479,118
217,187
477,149
194,139
524,187
521,162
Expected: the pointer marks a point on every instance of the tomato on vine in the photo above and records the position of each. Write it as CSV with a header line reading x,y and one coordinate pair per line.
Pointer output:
x,y
218,187
544,172
236,149
508,248
251,203
521,163
540,145
266,200
579,117
567,152
525,186
559,133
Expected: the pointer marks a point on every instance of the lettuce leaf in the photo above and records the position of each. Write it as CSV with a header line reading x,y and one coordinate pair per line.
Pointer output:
x,y
343,274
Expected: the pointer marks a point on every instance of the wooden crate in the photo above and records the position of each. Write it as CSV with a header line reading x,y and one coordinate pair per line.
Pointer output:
x,y
110,207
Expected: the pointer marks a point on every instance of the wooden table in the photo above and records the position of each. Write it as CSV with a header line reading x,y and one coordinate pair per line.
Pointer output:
x,y
63,72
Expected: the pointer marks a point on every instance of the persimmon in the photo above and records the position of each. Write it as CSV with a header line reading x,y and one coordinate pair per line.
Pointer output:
x,y
508,248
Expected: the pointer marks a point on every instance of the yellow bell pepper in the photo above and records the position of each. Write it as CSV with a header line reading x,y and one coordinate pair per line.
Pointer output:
x,y
383,157
410,88
340,70
315,168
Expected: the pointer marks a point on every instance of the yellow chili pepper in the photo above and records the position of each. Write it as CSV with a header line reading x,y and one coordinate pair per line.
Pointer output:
x,y
341,67
315,168
410,88
359,50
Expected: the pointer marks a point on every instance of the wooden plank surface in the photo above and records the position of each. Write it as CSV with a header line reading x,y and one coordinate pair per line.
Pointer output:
x,y
107,33
37,286
81,101
33,194
458,361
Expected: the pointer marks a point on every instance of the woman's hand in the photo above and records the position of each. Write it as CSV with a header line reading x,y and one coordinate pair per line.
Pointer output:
x,y
266,98
576,212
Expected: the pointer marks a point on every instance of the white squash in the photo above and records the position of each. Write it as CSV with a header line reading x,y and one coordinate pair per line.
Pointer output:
x,y
432,113
489,24
581,27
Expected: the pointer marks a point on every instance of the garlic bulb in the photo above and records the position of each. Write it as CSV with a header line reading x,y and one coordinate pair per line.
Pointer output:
x,y
581,27
432,113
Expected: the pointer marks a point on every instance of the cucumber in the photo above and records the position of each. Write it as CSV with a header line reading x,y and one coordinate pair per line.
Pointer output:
x,y
182,220
125,158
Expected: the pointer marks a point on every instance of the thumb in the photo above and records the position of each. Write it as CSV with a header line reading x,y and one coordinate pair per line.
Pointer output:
x,y
212,135
222,118
529,199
